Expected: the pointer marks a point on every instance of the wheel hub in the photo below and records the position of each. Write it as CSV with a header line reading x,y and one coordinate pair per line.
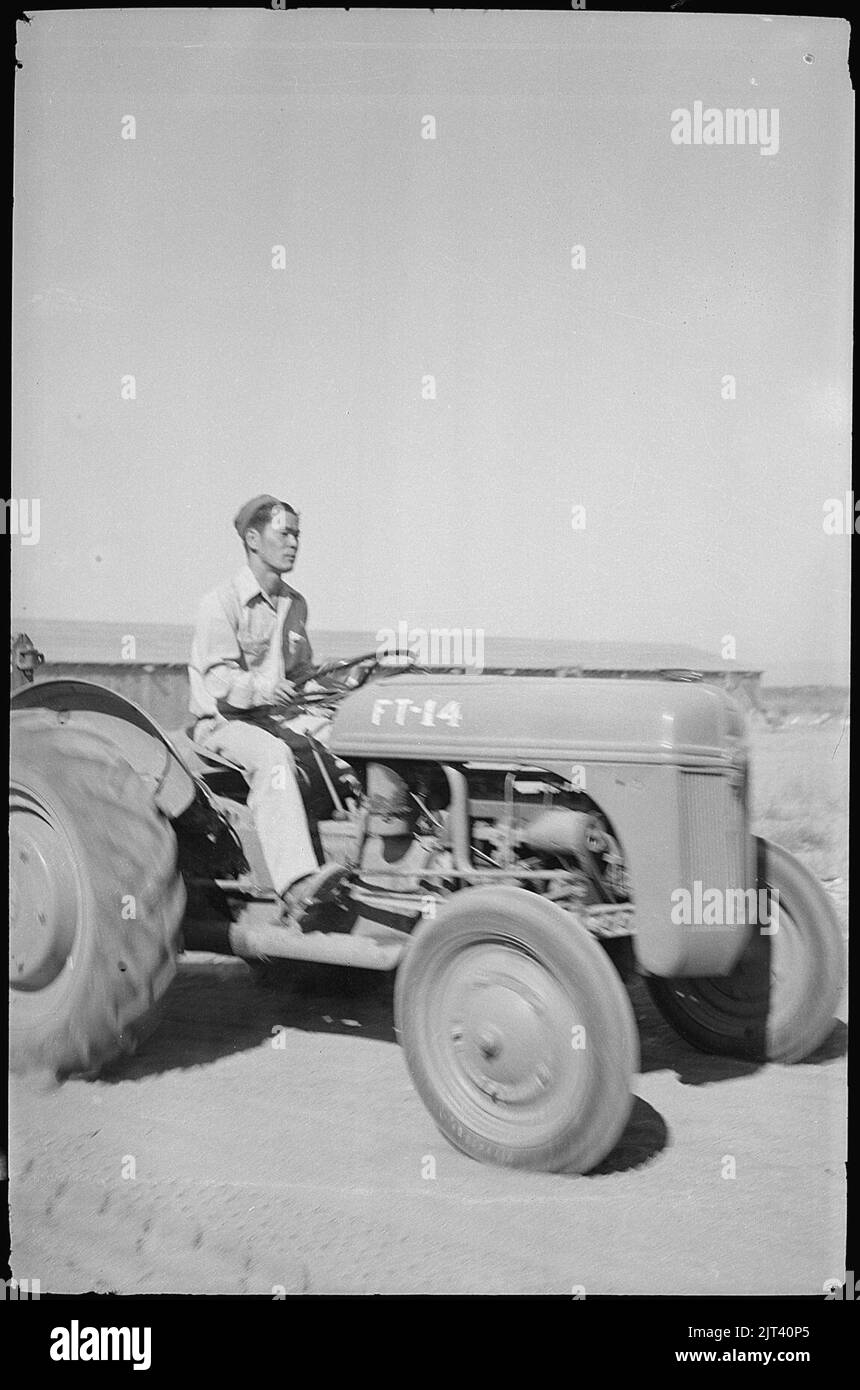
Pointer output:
x,y
501,1043
509,1028
43,900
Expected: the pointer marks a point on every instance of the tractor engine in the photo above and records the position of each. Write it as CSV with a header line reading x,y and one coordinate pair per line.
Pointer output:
x,y
402,841
533,821
426,828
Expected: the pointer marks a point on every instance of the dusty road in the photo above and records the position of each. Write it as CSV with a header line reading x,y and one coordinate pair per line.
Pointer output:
x,y
226,1158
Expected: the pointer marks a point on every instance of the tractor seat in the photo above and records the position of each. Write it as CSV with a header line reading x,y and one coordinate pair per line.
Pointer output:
x,y
227,778
198,760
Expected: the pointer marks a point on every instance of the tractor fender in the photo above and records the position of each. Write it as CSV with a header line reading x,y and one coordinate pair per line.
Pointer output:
x,y
136,735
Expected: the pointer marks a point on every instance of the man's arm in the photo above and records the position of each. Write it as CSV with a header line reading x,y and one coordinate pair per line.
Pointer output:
x,y
302,668
316,675
314,683
217,658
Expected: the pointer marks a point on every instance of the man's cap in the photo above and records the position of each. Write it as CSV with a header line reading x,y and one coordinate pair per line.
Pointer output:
x,y
246,514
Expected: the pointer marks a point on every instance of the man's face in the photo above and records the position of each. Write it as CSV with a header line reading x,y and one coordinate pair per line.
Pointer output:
x,y
279,541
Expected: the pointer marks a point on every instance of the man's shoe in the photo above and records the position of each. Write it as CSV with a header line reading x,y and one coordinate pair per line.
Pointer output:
x,y
304,899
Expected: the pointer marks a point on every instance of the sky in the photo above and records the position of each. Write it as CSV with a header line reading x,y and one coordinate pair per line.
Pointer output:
x,y
558,385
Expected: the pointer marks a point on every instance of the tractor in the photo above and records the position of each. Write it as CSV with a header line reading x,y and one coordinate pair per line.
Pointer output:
x,y
513,845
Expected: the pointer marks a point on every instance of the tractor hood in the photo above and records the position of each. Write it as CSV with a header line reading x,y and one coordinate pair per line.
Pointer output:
x,y
538,719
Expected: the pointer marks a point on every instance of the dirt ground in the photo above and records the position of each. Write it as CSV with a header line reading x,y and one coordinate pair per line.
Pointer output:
x,y
217,1162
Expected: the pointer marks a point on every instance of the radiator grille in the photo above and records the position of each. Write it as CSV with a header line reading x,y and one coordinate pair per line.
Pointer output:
x,y
713,832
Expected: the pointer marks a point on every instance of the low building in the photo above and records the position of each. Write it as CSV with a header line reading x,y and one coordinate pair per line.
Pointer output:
x,y
146,662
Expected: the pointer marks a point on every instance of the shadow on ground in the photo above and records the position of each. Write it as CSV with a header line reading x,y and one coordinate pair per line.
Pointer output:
x,y
217,1007
663,1049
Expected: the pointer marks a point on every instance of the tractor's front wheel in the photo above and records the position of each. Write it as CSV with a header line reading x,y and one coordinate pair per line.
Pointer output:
x,y
518,1033
778,1003
97,899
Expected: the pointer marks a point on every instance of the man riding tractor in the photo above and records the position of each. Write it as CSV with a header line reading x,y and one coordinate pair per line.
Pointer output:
x,y
251,660
502,841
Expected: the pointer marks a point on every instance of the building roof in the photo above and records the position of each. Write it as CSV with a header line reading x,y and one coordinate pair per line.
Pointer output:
x,y
100,643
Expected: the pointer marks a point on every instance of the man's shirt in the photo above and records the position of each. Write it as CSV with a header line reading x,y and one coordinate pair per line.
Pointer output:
x,y
244,643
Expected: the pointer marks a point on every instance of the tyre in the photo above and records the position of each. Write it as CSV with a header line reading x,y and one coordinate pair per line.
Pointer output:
x,y
778,1003
518,1034
97,899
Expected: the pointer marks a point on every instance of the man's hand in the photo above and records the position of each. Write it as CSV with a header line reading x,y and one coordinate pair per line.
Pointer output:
x,y
284,693
360,673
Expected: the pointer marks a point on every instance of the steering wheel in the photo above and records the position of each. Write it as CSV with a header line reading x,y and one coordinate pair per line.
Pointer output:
x,y
375,665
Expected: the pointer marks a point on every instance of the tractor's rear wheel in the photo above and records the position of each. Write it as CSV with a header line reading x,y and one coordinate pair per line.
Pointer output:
x,y
518,1033
97,899
778,1003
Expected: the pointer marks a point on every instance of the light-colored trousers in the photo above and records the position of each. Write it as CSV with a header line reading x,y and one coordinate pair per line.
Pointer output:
x,y
274,798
